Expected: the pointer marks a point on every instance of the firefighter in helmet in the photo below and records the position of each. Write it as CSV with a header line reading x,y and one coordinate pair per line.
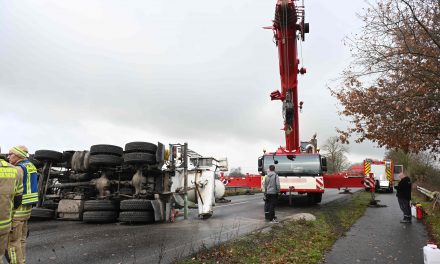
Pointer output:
x,y
11,189
18,156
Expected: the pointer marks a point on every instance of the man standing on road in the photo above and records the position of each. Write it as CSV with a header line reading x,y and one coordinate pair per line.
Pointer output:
x,y
11,190
404,197
17,239
272,188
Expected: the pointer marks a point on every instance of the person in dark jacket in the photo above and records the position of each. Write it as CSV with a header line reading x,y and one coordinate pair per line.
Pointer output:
x,y
272,188
404,197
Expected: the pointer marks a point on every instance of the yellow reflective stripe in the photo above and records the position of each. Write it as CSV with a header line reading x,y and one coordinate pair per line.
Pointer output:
x,y
30,167
30,198
8,173
31,195
28,201
28,183
367,168
12,255
5,223
4,163
388,170
22,208
21,152
18,187
22,214
23,211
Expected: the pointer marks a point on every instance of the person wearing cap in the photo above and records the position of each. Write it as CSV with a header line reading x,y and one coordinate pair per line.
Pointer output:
x,y
18,156
11,189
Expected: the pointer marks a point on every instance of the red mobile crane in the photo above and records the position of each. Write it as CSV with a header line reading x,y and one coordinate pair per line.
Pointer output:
x,y
285,27
299,165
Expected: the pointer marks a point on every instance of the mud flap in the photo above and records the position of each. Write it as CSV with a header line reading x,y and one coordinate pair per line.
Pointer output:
x,y
158,210
179,203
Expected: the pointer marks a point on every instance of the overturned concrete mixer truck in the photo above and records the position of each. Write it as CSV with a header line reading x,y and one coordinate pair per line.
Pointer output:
x,y
142,183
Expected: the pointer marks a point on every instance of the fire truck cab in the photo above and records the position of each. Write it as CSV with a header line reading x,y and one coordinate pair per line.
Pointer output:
x,y
383,171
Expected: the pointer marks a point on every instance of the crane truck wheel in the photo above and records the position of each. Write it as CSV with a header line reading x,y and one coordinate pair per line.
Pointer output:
x,y
314,198
106,149
138,146
317,198
48,155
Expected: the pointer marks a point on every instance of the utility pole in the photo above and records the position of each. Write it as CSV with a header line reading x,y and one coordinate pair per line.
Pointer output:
x,y
185,182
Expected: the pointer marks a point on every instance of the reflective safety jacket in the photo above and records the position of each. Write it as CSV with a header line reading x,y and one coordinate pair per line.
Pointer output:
x,y
30,182
10,186
30,191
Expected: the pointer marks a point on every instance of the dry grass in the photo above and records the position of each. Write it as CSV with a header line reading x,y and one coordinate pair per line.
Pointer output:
x,y
431,216
290,242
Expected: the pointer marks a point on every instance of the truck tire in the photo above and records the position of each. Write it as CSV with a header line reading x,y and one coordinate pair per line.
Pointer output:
x,y
138,146
48,155
126,191
42,213
99,216
100,205
317,198
314,198
50,204
106,149
38,164
136,216
67,158
104,160
139,158
136,205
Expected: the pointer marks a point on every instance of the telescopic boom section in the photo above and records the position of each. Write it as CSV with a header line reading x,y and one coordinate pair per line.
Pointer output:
x,y
288,20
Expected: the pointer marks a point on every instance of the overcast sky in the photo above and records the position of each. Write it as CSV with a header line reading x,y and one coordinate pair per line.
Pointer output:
x,y
78,73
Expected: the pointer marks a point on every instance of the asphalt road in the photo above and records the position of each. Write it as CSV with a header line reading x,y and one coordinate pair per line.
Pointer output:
x,y
379,238
76,242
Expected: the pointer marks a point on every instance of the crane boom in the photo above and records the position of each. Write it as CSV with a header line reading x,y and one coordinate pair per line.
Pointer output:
x,y
289,19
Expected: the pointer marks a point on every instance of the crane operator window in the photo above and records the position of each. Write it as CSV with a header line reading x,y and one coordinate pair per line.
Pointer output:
x,y
294,165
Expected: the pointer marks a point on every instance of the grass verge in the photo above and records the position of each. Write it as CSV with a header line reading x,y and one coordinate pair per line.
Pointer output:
x,y
431,217
291,241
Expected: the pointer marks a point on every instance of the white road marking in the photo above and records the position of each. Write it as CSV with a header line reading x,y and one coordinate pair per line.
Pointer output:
x,y
231,204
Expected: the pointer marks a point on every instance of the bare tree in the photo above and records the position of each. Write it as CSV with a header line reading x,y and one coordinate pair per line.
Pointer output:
x,y
391,90
236,172
335,152
420,166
